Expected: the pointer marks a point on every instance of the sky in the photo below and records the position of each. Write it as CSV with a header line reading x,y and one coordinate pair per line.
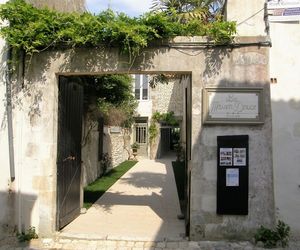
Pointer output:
x,y
130,7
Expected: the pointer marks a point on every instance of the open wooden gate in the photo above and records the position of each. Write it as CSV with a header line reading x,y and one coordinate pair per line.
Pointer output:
x,y
69,150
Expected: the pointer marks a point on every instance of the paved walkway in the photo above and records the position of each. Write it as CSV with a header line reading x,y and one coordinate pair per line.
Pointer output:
x,y
142,205
139,212
76,244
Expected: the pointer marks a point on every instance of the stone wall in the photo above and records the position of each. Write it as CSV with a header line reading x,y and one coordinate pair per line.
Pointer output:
x,y
246,66
8,189
117,144
168,97
91,168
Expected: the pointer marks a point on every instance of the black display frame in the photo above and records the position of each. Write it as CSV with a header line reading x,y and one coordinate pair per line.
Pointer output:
x,y
232,200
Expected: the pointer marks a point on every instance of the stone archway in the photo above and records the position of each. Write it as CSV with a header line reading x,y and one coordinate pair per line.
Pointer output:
x,y
244,66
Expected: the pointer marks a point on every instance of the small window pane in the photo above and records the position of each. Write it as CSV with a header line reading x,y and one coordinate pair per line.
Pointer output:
x,y
145,87
137,87
145,94
137,81
137,94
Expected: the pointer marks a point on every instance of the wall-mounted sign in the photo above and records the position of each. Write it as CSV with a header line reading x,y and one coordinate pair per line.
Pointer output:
x,y
115,130
284,10
239,156
233,105
232,177
225,156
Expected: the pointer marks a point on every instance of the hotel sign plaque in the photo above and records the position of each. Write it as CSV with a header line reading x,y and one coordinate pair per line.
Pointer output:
x,y
233,106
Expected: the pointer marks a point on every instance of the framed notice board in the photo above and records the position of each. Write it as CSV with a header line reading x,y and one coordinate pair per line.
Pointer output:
x,y
233,174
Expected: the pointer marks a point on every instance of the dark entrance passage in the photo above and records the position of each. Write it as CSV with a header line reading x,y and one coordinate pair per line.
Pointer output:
x,y
69,150
169,140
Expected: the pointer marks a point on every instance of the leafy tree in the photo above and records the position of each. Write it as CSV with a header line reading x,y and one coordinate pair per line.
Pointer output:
x,y
112,96
205,10
34,30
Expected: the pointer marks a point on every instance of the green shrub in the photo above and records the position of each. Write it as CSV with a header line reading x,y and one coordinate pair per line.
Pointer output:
x,y
31,234
271,238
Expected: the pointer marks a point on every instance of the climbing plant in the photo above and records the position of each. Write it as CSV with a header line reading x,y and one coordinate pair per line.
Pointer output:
x,y
167,118
34,30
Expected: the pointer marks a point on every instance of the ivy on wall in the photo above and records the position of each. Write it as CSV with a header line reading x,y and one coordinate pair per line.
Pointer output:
x,y
34,30
165,118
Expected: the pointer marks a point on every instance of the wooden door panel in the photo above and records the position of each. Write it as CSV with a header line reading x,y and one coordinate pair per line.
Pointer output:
x,y
69,150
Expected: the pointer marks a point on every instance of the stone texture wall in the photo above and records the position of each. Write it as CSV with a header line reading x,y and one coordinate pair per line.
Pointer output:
x,y
246,67
8,189
36,120
168,97
91,168
117,145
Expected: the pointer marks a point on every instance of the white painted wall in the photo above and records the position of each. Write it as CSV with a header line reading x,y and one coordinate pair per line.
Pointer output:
x,y
4,155
144,108
249,16
7,188
285,96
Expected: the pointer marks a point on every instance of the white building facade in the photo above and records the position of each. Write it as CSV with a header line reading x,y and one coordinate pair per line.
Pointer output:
x,y
284,21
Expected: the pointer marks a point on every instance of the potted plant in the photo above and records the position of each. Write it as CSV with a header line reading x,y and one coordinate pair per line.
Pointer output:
x,y
135,146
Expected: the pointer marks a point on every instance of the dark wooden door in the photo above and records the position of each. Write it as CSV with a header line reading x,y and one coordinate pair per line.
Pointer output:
x,y
69,150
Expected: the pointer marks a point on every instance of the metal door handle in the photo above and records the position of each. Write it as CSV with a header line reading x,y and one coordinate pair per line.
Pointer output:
x,y
71,158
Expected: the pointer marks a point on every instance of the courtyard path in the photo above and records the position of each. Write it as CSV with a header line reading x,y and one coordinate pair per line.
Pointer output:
x,y
141,205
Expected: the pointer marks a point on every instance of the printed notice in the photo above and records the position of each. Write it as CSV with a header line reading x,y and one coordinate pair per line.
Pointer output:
x,y
232,177
239,156
225,156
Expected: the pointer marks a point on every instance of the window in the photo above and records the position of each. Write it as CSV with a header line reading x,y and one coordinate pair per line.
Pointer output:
x,y
141,87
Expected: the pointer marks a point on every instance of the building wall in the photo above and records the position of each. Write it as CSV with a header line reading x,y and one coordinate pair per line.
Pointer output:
x,y
242,67
285,94
249,16
7,187
168,97
91,168
117,144
60,5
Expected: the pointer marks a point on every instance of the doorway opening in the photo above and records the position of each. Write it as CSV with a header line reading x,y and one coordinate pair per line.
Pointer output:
x,y
95,141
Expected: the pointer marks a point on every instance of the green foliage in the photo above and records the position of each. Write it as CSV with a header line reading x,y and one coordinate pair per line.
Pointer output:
x,y
33,30
166,118
135,146
113,95
221,32
204,10
283,231
158,79
96,189
153,131
106,163
30,234
270,238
